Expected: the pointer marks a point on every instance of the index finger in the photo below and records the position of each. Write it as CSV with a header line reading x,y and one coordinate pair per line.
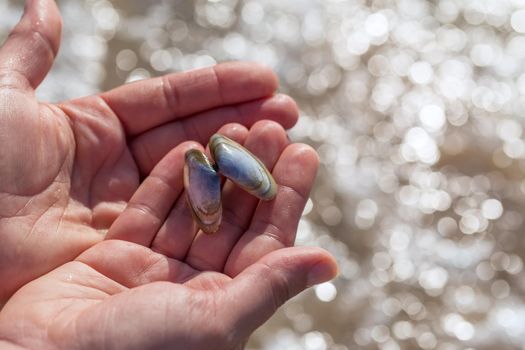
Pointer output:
x,y
146,104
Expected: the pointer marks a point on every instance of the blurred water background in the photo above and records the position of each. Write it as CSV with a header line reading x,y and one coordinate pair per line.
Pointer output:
x,y
417,110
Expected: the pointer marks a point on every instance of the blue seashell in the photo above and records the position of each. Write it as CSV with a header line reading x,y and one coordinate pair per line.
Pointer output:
x,y
203,190
243,168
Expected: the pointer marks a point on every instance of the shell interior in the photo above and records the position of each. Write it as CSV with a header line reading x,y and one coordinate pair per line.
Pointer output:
x,y
203,191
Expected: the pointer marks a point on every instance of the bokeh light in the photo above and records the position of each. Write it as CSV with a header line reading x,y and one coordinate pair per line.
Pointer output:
x,y
417,111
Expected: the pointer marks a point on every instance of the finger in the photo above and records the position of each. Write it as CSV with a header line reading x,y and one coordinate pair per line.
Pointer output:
x,y
31,47
133,265
176,234
256,293
151,203
266,140
274,223
151,146
149,103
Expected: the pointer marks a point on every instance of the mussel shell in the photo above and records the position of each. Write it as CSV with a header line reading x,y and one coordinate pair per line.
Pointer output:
x,y
203,190
242,167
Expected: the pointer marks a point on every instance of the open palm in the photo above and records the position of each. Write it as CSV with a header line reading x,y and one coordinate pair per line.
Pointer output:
x,y
164,284
120,295
68,170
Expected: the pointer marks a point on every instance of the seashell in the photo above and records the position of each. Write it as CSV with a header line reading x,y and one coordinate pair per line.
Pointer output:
x,y
242,167
203,190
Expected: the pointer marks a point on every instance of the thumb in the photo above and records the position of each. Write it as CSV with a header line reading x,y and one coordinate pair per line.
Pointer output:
x,y
256,293
32,45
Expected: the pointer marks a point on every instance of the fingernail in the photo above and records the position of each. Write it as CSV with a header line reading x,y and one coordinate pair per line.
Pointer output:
x,y
320,273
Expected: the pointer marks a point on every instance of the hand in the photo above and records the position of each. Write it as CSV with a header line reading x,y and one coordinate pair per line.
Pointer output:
x,y
120,295
67,170
197,291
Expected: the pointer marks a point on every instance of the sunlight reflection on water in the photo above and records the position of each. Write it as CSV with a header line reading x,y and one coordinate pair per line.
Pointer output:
x,y
416,109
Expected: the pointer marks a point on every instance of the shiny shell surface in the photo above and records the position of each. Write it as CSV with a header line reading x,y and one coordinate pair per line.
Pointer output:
x,y
243,168
203,190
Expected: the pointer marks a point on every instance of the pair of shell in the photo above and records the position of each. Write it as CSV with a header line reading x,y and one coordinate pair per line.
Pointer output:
x,y
202,180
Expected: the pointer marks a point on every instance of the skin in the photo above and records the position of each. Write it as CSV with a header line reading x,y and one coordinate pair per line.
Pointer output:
x,y
67,170
98,245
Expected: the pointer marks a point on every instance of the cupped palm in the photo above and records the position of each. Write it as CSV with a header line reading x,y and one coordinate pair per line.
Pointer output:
x,y
120,295
67,170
